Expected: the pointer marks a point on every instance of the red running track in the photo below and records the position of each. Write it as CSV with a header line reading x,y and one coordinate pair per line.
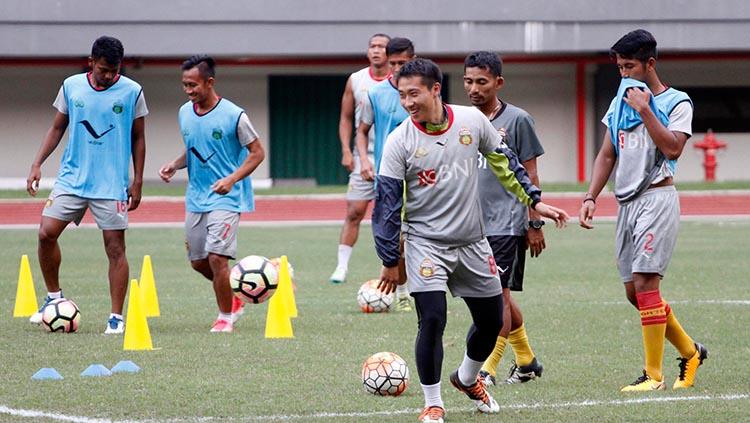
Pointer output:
x,y
154,210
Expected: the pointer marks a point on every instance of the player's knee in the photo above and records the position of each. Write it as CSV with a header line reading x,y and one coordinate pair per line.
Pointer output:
x,y
631,298
354,215
46,236
432,322
115,251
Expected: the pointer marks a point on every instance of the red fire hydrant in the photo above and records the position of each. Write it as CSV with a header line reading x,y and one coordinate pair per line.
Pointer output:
x,y
709,145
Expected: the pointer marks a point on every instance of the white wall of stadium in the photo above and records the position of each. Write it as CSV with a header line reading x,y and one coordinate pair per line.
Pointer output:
x,y
546,90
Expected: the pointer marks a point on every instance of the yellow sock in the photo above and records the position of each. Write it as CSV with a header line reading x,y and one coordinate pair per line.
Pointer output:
x,y
490,365
521,348
677,336
654,326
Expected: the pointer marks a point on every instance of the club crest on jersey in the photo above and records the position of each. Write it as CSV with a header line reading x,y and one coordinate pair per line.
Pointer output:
x,y
117,108
427,268
421,152
78,103
217,134
464,136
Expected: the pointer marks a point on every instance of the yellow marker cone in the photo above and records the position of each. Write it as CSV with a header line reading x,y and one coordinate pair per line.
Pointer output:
x,y
148,289
137,335
278,321
26,304
285,288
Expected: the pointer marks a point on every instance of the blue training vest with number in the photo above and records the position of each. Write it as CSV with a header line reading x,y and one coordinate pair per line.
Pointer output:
x,y
96,161
214,152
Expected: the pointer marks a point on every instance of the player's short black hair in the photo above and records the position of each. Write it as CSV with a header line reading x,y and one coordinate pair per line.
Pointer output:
x,y
487,60
108,48
380,34
426,68
399,45
206,65
638,44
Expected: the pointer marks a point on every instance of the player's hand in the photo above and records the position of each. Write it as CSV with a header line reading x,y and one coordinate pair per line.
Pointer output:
x,y
167,171
32,182
134,195
535,241
638,99
222,186
557,214
347,160
389,280
586,214
366,170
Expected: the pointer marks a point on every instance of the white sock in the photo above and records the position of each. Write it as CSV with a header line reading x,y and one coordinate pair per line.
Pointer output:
x,y
227,317
432,396
115,315
345,251
55,295
402,292
469,370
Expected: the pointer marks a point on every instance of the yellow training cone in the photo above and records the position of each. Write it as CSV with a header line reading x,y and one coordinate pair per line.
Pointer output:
x,y
26,304
148,289
137,335
285,288
278,321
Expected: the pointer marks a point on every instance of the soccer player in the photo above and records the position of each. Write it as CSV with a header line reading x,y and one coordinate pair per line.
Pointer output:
x,y
107,111
434,154
222,149
511,228
648,125
360,192
382,108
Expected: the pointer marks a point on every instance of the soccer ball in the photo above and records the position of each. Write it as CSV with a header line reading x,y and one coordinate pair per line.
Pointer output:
x,y
253,279
371,300
385,373
61,315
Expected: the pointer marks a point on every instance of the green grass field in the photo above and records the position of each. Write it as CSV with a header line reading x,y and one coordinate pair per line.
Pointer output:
x,y
578,322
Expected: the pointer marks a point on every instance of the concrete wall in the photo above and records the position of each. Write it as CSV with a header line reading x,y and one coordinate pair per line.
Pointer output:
x,y
335,27
547,91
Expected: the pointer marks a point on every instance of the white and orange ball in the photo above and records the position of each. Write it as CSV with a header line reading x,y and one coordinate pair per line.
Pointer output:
x,y
372,300
61,315
254,279
385,373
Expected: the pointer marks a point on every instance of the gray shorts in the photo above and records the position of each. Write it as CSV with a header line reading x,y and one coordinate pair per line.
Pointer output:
x,y
646,232
211,232
359,189
110,215
468,271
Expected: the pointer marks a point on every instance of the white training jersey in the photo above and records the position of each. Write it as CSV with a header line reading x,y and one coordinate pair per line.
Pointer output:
x,y
362,80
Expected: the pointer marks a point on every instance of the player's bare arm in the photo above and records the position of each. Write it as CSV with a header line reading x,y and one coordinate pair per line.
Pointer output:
x,y
389,279
346,125
167,171
603,165
49,144
557,214
256,156
534,237
139,158
362,141
668,142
